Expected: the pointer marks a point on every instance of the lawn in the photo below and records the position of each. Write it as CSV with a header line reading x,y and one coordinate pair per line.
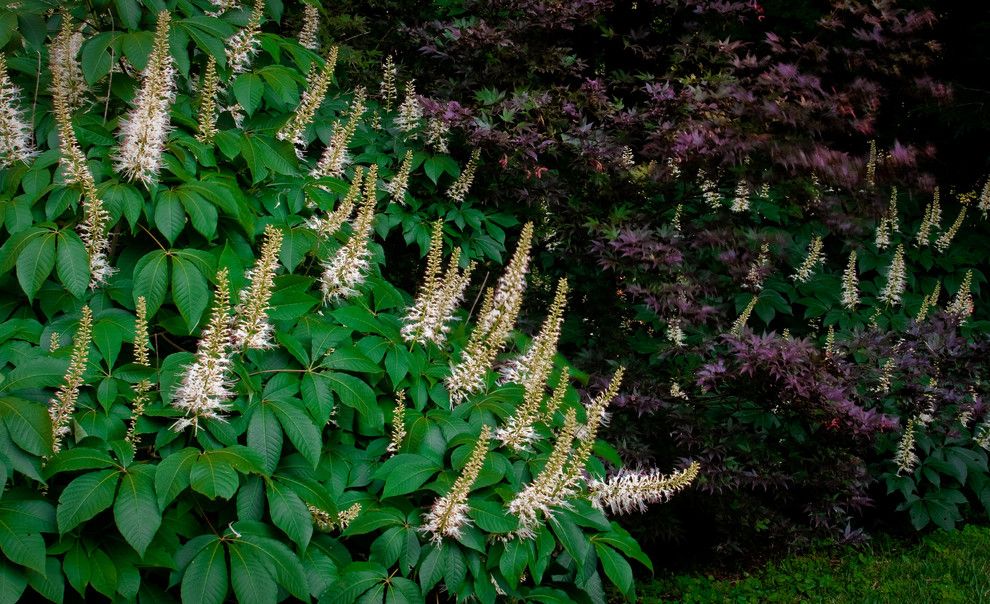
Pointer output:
x,y
944,567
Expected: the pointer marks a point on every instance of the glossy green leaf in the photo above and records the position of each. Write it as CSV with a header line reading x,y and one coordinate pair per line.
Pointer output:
x,y
85,497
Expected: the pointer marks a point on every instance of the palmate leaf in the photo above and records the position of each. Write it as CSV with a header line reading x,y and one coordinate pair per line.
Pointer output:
x,y
35,263
85,497
136,508
205,580
289,513
189,290
151,278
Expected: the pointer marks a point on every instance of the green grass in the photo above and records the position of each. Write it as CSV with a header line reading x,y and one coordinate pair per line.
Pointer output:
x,y
944,568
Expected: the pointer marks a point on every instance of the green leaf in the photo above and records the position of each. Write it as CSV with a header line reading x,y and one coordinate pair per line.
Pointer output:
x,y
95,59
354,579
350,359
85,497
78,458
513,561
129,12
12,583
289,571
264,434
290,514
172,475
189,290
29,424
202,214
50,583
35,263
403,591
300,428
72,263
492,517
616,567
213,476
205,580
405,473
151,280
356,393
248,89
136,510
26,549
250,576
169,217
41,372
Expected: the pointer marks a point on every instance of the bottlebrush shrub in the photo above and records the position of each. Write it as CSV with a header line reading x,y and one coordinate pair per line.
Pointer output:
x,y
208,385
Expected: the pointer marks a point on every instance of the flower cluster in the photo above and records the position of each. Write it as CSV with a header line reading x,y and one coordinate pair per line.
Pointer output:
x,y
532,370
560,478
496,319
334,156
449,513
815,257
398,433
326,226
144,130
427,319
206,383
850,284
62,59
15,132
63,405
896,279
462,185
400,182
347,269
253,329
410,111
310,27
631,490
312,98
243,45
209,87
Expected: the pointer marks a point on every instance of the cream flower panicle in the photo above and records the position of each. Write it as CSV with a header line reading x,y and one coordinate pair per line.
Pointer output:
x,y
64,50
532,370
495,321
93,228
410,111
815,257
398,432
310,27
349,266
63,405
962,304
144,130
631,490
141,345
400,182
740,322
326,226
316,90
335,157
428,318
243,45
16,138
462,185
253,329
945,239
206,383
896,279
449,514
538,499
850,284
740,203
209,87
388,92
561,477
